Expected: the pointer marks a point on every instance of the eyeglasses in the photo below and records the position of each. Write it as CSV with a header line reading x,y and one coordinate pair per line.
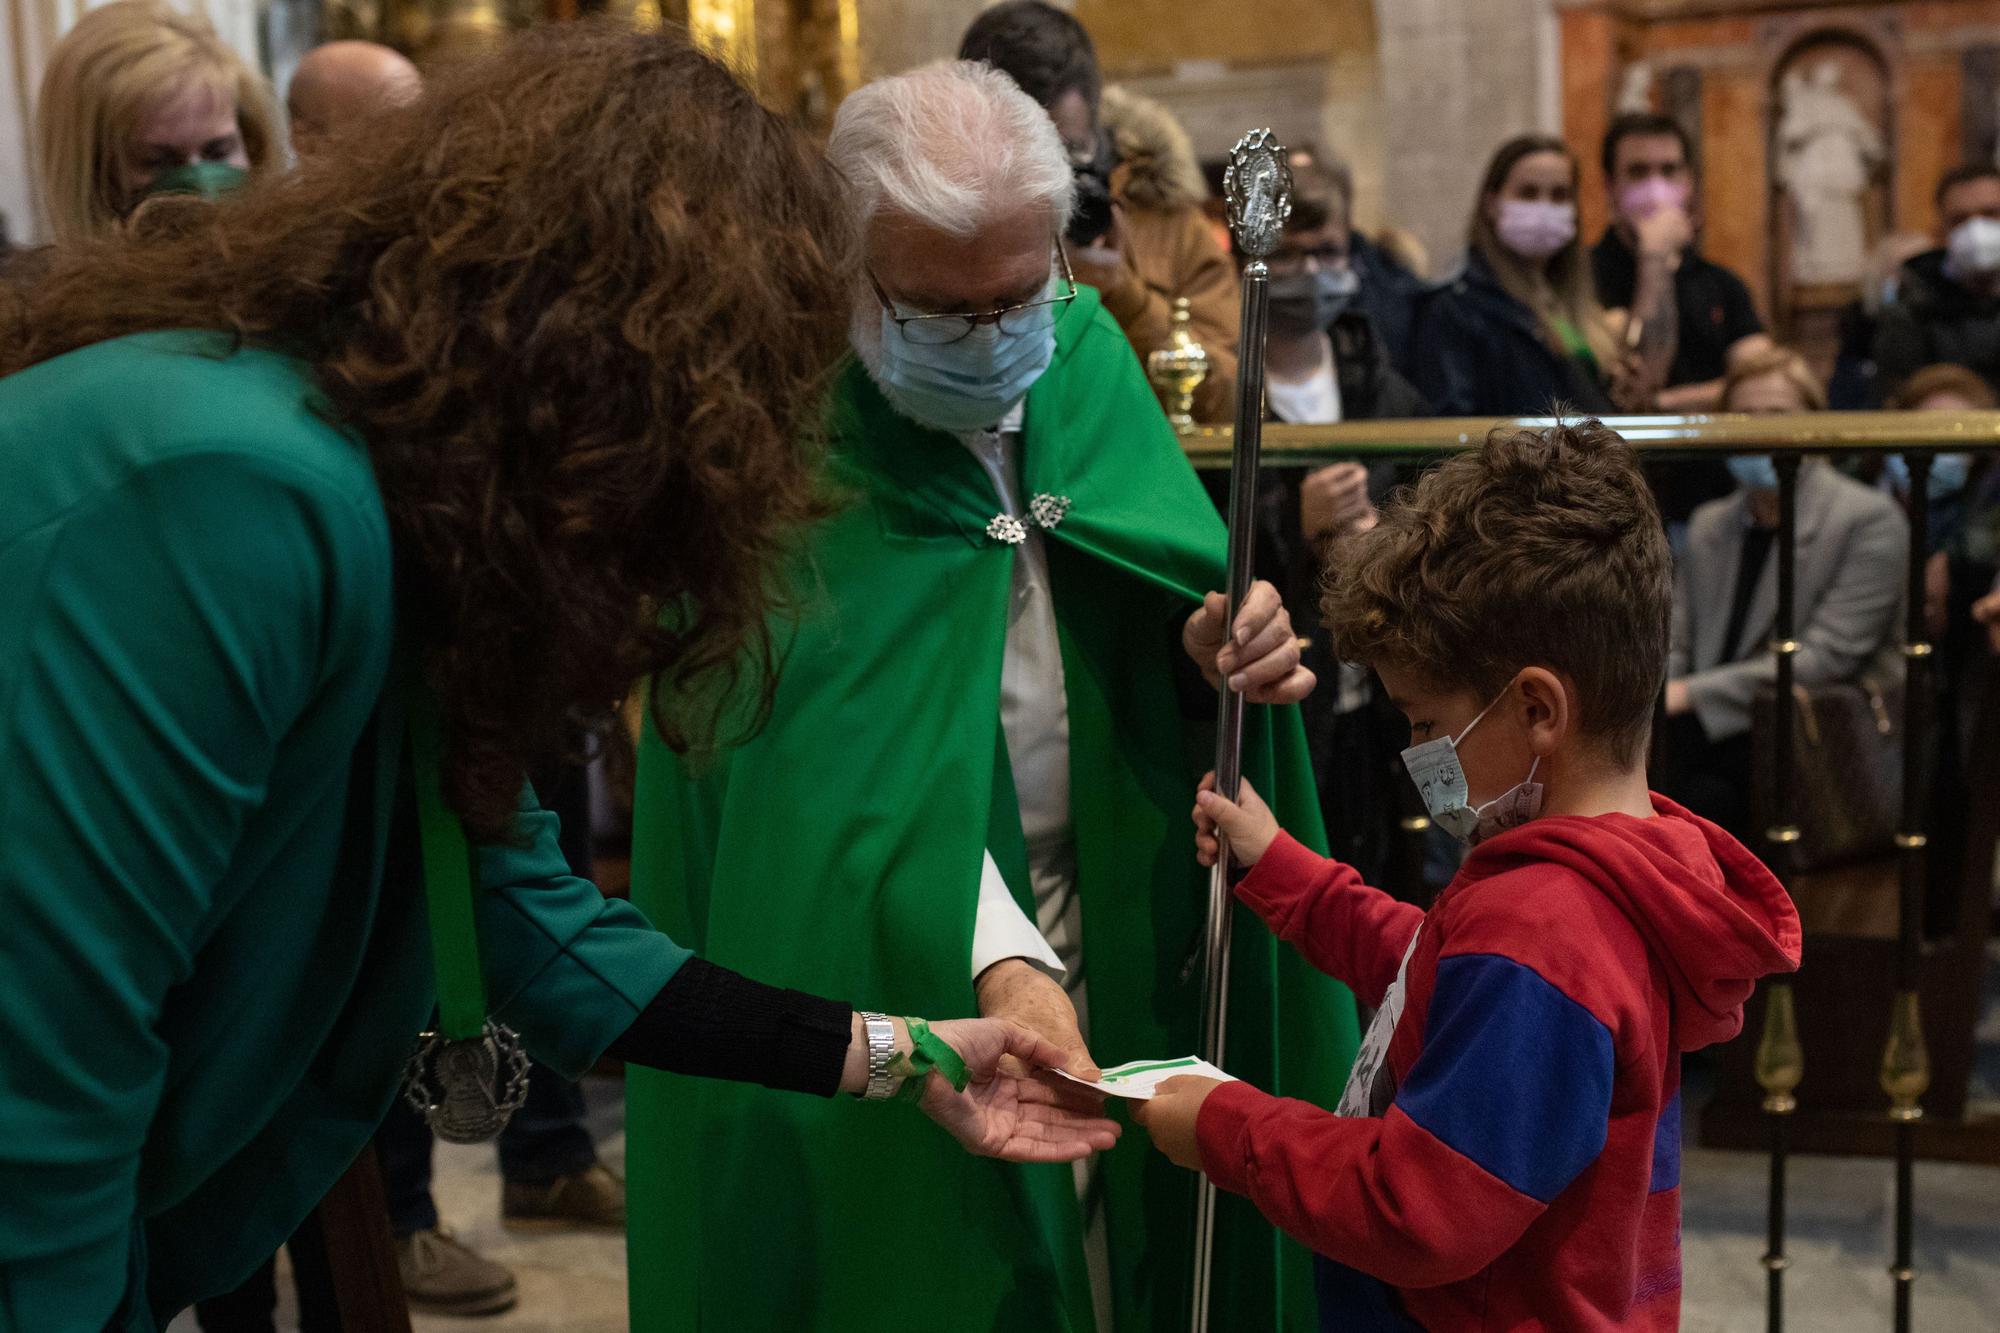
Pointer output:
x,y
1027,317
1322,258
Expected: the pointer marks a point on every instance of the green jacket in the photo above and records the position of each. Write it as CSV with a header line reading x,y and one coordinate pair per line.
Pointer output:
x,y
214,955
864,808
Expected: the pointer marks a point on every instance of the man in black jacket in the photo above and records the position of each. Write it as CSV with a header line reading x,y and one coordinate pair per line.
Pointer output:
x,y
1947,305
1694,312
1690,320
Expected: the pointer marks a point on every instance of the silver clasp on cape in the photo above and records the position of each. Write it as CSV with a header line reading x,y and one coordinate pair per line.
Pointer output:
x,y
1044,511
1047,510
1007,530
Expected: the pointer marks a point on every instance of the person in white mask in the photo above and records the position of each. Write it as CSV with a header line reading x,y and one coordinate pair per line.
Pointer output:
x,y
1947,303
1519,327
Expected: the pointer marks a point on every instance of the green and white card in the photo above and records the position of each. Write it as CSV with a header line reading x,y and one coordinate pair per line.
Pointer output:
x,y
1136,1079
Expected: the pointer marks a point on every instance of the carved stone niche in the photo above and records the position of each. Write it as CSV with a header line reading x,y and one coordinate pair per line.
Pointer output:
x,y
1831,90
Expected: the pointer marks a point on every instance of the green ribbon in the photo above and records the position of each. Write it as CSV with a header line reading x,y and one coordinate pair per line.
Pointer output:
x,y
929,1054
461,980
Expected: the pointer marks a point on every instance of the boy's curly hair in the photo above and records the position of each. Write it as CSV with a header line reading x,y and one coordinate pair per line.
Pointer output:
x,y
1541,548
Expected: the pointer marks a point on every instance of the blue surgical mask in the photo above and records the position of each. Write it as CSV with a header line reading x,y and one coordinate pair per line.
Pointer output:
x,y
966,385
1303,303
1440,780
1754,472
1948,473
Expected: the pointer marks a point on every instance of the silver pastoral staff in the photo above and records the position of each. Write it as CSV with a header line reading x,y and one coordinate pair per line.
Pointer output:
x,y
1258,188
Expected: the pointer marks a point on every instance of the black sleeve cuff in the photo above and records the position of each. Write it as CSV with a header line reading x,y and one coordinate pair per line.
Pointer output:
x,y
714,1023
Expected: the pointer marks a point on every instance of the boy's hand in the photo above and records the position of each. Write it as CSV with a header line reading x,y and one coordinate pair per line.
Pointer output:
x,y
1171,1114
1247,822
1260,653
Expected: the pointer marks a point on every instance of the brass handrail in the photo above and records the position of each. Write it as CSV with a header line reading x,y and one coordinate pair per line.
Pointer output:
x,y
1714,432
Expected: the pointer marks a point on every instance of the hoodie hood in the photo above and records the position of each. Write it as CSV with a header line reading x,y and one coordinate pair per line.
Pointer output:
x,y
1714,915
1157,167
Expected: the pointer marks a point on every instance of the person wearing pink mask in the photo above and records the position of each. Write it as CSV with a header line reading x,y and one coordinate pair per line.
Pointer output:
x,y
1518,328
1688,320
1691,319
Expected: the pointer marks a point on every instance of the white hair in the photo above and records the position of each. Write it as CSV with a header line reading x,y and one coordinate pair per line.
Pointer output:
x,y
952,144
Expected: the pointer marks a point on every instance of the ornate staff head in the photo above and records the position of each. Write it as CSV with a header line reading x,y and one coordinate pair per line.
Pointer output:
x,y
1258,189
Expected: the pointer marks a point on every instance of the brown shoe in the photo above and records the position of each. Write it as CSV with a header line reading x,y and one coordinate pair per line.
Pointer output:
x,y
591,1198
441,1276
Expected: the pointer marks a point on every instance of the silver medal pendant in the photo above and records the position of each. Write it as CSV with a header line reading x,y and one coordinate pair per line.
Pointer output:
x,y
467,1090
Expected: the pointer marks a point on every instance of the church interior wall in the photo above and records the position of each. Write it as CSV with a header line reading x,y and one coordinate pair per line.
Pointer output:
x,y
1932,53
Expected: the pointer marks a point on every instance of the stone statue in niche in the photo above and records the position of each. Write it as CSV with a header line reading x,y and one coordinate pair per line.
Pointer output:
x,y
1827,153
1635,88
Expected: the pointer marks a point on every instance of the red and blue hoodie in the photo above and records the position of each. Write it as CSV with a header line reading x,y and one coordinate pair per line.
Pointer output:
x,y
1525,1173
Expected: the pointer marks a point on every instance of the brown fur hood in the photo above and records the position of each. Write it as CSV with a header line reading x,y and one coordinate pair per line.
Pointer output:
x,y
1157,165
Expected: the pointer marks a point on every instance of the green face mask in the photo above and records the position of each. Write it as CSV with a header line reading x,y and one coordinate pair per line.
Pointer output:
x,y
207,179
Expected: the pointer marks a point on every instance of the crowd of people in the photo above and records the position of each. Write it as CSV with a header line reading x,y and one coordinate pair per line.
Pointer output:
x,y
612,337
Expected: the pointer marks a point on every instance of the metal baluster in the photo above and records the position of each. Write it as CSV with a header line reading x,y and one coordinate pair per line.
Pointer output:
x,y
1780,1058
1906,1070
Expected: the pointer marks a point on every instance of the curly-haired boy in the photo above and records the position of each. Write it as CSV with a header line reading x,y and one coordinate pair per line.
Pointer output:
x,y
1507,1152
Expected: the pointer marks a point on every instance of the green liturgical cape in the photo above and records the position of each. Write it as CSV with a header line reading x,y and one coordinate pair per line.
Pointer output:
x,y
839,851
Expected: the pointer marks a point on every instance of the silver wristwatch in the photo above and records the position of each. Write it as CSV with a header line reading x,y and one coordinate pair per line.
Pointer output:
x,y
881,1049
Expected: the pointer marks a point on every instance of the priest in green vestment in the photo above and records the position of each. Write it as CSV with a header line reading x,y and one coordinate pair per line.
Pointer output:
x,y
253,460
972,790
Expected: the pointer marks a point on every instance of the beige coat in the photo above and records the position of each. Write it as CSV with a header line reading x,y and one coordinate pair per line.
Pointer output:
x,y
1852,554
1168,249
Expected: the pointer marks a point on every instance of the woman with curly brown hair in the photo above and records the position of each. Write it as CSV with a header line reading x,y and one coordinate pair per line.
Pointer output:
x,y
464,429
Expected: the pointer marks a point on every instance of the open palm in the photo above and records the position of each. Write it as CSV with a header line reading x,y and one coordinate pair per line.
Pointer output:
x,y
1015,1117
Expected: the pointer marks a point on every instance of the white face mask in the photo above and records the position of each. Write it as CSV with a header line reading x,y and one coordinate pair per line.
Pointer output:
x,y
1973,248
1440,779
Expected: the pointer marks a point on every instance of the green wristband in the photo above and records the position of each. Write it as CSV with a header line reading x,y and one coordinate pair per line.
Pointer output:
x,y
929,1053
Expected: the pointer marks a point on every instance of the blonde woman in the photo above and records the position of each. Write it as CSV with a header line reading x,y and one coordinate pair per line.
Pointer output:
x,y
141,98
1519,327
